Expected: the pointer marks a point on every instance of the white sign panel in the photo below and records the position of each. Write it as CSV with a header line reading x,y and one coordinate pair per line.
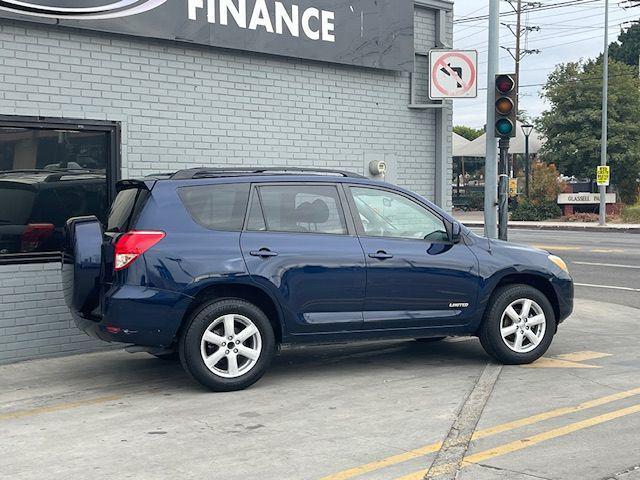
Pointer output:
x,y
584,198
453,74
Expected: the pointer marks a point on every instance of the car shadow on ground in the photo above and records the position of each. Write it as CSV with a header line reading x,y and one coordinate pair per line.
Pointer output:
x,y
122,370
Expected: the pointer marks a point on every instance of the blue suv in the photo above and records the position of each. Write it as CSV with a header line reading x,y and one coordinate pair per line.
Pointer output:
x,y
220,266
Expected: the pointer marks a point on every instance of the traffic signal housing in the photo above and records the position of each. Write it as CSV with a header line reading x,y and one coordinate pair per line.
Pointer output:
x,y
506,105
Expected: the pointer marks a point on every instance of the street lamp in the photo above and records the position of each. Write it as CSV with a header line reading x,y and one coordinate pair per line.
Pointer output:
x,y
526,129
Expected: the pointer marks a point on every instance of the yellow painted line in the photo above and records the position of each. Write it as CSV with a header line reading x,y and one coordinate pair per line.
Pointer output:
x,y
567,360
582,356
386,462
526,442
548,362
56,408
556,247
486,432
575,249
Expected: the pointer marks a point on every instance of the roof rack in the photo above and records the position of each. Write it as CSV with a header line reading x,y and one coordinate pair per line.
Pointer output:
x,y
192,173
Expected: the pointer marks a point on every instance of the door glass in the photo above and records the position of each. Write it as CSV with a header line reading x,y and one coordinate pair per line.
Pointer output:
x,y
48,175
387,214
303,209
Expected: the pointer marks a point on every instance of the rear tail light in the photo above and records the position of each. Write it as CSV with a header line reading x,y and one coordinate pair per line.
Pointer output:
x,y
34,234
133,244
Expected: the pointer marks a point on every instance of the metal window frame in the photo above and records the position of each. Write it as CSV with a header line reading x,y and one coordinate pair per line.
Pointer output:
x,y
113,166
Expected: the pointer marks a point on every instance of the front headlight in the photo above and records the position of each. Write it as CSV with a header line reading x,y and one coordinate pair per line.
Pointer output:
x,y
559,262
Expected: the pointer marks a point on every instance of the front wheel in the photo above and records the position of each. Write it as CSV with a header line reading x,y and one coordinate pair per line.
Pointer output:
x,y
518,326
227,345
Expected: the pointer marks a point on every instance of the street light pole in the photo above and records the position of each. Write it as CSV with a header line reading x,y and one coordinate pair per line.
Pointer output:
x,y
526,165
526,129
605,91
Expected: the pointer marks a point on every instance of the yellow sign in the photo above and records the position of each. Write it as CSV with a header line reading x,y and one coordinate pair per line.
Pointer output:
x,y
602,175
513,187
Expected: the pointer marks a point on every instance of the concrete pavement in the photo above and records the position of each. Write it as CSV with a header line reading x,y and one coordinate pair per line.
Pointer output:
x,y
374,411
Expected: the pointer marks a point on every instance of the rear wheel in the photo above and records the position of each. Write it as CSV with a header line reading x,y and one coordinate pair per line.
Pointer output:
x,y
227,345
518,326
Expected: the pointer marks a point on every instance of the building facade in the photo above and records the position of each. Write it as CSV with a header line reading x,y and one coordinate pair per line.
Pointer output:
x,y
128,106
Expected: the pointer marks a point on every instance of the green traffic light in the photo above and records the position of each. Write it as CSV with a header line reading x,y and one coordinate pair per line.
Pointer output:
x,y
504,126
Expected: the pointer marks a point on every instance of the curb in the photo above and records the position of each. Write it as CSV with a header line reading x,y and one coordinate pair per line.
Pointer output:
x,y
566,228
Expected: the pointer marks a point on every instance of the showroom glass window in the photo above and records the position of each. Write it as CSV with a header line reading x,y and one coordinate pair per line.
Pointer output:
x,y
48,175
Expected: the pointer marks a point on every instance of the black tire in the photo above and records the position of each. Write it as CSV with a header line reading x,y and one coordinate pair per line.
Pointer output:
x,y
200,320
490,336
167,357
430,339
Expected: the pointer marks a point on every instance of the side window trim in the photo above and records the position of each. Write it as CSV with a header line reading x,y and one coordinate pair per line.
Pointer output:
x,y
254,192
342,204
356,216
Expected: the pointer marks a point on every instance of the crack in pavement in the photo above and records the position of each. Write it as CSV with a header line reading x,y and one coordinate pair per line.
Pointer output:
x,y
500,469
450,456
623,472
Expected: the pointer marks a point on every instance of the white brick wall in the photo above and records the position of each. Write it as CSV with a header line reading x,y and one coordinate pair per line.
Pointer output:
x,y
182,106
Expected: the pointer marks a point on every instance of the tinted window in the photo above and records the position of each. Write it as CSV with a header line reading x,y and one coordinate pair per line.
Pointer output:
x,y
48,175
127,204
387,214
218,207
302,208
16,204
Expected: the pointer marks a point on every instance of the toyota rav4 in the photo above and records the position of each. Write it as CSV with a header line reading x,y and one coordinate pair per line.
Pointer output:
x,y
220,266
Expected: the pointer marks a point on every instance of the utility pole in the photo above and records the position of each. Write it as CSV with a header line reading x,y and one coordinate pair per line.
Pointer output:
x,y
605,94
491,163
518,35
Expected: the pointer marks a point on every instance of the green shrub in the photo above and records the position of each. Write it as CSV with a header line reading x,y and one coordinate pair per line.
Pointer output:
x,y
535,212
476,201
631,213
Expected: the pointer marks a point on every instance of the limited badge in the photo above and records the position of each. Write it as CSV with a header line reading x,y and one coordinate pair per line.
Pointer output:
x,y
459,305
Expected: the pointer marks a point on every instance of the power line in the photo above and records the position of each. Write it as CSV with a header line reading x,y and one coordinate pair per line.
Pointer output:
x,y
580,80
530,9
616,21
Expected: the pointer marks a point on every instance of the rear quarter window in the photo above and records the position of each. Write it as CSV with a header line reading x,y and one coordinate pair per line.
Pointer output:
x,y
125,208
217,207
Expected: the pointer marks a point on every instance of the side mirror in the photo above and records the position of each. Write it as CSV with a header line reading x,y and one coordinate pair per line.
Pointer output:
x,y
456,232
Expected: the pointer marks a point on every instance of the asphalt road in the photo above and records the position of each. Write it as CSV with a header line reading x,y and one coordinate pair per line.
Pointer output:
x,y
607,261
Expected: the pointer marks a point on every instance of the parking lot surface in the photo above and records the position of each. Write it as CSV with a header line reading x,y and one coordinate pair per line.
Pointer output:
x,y
366,411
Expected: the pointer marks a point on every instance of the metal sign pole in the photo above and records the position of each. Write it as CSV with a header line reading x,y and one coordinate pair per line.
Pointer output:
x,y
605,90
491,164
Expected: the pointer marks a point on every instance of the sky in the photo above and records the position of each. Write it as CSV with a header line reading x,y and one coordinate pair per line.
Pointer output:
x,y
567,33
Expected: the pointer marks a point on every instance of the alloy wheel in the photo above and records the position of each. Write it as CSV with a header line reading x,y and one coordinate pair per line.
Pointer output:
x,y
231,346
523,325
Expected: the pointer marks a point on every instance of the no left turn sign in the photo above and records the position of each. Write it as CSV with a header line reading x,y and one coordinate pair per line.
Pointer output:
x,y
453,74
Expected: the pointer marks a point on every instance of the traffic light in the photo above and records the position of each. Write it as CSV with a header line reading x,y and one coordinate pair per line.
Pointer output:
x,y
506,105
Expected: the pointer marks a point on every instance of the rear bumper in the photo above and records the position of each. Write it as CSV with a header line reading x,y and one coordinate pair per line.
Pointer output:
x,y
137,315
564,292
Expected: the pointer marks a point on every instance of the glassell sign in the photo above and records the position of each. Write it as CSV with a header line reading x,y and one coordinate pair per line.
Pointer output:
x,y
370,33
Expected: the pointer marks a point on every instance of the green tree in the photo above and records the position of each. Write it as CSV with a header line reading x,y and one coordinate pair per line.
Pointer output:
x,y
627,48
572,125
469,133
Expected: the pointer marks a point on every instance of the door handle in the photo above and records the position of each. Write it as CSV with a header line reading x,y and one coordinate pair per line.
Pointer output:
x,y
381,255
263,252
